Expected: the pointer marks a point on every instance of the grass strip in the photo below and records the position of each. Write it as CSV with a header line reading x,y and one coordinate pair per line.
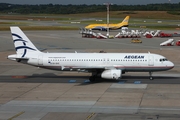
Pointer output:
x,y
7,28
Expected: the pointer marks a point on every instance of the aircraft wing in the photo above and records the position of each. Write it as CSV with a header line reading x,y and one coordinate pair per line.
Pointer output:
x,y
83,67
102,28
111,28
92,68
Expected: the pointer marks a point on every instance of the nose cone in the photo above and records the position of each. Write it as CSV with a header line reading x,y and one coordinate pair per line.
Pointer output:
x,y
170,65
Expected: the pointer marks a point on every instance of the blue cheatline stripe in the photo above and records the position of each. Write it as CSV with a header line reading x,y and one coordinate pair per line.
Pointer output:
x,y
86,81
19,40
13,34
121,81
72,81
137,82
24,47
25,51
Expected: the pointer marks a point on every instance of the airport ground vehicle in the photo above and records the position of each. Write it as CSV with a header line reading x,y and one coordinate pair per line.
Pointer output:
x,y
178,43
136,41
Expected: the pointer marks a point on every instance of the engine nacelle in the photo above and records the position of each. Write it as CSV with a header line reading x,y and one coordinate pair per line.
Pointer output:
x,y
111,74
103,29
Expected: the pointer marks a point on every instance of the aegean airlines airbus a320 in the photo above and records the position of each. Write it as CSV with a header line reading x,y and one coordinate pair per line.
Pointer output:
x,y
104,65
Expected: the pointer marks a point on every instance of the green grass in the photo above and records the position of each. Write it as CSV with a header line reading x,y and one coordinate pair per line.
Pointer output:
x,y
164,27
136,18
159,27
6,28
12,23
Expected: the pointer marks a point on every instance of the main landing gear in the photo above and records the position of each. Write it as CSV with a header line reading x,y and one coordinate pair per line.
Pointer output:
x,y
93,78
96,75
150,76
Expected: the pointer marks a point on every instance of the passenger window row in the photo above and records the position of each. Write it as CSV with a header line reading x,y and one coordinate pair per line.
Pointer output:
x,y
94,60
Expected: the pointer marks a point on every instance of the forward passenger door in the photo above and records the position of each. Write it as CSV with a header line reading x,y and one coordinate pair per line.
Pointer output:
x,y
151,60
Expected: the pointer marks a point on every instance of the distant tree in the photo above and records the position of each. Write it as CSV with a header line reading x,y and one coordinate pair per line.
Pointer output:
x,y
74,9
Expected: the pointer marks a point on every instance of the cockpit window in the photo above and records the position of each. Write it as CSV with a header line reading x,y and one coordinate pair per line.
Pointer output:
x,y
163,59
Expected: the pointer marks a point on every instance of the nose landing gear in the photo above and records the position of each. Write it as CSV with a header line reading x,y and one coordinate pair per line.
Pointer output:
x,y
150,76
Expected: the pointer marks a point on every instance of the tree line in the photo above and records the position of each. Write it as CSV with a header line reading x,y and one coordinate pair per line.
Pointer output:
x,y
75,9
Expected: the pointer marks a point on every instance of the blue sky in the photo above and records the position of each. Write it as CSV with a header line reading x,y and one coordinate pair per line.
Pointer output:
x,y
119,2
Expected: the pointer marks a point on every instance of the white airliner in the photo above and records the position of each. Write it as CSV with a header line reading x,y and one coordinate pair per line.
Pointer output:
x,y
104,65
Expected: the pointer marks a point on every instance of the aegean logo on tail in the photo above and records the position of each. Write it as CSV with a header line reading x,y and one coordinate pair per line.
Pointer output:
x,y
24,44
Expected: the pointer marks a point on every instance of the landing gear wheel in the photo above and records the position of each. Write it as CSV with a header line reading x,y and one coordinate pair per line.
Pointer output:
x,y
150,76
92,79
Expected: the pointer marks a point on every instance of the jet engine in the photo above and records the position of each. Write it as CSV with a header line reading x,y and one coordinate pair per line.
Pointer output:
x,y
103,29
111,74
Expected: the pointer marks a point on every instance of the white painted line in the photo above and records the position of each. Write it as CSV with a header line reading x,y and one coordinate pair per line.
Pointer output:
x,y
137,86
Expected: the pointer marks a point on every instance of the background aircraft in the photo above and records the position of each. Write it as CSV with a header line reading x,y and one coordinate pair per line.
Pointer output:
x,y
104,27
104,65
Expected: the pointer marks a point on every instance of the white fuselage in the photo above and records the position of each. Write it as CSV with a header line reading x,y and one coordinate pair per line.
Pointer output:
x,y
135,62
105,65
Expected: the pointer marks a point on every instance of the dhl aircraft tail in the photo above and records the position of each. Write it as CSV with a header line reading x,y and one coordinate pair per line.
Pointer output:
x,y
124,23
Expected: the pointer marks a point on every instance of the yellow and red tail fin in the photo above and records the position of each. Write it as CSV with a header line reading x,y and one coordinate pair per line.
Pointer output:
x,y
124,23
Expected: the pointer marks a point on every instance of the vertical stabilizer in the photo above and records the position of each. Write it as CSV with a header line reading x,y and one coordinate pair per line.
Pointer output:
x,y
124,23
21,42
126,19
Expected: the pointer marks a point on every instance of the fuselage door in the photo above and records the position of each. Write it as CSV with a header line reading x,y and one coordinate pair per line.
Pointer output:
x,y
40,60
151,60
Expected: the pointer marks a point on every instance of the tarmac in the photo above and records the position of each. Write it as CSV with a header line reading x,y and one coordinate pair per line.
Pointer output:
x,y
31,93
